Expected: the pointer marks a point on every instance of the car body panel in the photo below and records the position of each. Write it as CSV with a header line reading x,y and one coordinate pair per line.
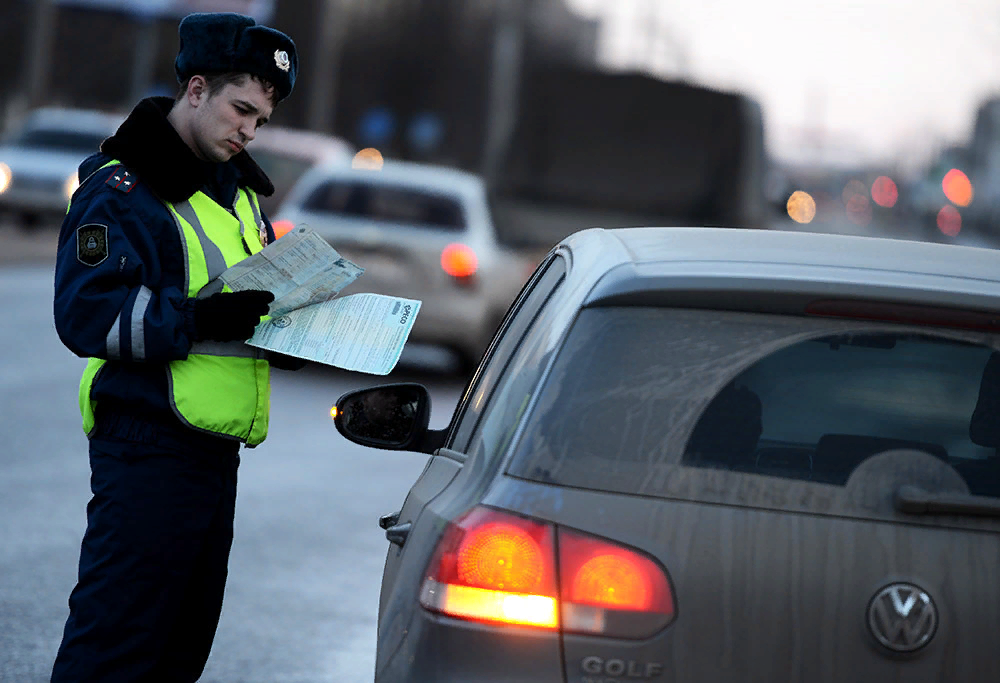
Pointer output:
x,y
782,596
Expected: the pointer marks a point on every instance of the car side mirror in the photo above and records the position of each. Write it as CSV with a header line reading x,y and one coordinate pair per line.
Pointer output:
x,y
391,416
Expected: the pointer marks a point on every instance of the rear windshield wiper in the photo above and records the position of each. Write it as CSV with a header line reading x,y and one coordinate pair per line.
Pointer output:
x,y
915,501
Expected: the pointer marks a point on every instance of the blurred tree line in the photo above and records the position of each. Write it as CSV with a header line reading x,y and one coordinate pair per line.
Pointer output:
x,y
413,77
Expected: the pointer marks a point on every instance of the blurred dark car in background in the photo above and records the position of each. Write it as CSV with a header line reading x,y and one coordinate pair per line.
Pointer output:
x,y
708,455
39,157
284,154
421,231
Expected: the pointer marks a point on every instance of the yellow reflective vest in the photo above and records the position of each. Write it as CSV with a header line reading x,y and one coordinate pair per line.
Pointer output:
x,y
222,388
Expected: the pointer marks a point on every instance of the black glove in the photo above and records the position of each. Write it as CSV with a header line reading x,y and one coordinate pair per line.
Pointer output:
x,y
230,316
283,362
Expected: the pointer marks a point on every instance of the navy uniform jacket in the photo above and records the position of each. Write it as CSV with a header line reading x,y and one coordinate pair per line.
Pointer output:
x,y
99,281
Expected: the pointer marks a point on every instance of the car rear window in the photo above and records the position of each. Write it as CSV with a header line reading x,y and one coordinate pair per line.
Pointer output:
x,y
715,405
388,204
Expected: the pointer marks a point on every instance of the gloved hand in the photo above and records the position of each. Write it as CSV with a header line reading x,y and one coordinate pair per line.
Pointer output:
x,y
230,316
283,362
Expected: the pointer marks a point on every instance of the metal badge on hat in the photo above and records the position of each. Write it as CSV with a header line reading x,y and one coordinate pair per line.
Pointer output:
x,y
281,60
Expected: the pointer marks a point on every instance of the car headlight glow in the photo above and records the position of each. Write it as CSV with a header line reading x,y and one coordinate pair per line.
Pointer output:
x,y
69,187
5,177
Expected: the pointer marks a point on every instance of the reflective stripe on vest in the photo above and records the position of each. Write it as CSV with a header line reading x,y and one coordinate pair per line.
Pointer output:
x,y
221,388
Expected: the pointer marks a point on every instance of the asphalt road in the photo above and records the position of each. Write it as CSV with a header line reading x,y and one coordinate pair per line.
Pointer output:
x,y
307,558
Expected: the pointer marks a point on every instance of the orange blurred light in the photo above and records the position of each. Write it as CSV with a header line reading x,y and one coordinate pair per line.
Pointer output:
x,y
859,210
957,187
282,228
333,412
884,192
459,260
801,207
612,580
949,221
369,159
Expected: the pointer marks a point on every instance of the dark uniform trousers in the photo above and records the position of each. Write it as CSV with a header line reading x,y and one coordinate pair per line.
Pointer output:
x,y
154,558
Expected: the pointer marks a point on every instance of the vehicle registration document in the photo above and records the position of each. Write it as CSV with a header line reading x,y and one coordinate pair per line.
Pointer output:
x,y
362,332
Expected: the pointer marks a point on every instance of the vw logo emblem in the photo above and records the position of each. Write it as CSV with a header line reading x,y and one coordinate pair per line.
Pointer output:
x,y
902,617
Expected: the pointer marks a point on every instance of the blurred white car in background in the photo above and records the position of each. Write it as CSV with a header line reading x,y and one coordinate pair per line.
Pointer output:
x,y
420,231
39,156
284,154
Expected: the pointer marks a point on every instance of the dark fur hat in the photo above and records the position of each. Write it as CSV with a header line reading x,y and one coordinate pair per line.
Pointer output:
x,y
226,42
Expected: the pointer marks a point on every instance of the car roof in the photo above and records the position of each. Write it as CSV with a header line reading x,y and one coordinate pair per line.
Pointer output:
x,y
409,173
308,144
83,120
777,269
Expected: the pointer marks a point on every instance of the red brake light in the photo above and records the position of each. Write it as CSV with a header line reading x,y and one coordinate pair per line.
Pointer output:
x,y
282,228
497,567
459,260
611,590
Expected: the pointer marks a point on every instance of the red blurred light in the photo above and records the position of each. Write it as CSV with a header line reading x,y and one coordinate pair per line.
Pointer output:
x,y
459,260
949,221
884,192
859,210
957,187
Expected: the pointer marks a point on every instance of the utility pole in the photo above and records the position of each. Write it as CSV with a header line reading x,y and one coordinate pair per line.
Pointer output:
x,y
39,53
147,48
505,81
332,30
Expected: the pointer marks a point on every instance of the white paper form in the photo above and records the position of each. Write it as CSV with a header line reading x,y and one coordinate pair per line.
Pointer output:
x,y
362,332
300,269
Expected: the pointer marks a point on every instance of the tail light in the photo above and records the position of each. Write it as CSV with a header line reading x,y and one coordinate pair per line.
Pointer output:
x,y
282,228
495,567
459,260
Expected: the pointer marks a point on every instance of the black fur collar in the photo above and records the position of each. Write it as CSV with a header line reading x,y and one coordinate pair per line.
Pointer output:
x,y
150,147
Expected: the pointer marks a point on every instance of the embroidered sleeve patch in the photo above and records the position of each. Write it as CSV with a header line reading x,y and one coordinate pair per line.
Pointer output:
x,y
91,244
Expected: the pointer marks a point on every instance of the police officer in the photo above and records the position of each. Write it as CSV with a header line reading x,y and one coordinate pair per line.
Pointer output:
x,y
170,390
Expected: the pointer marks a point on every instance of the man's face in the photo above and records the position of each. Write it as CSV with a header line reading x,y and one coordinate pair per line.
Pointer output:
x,y
226,120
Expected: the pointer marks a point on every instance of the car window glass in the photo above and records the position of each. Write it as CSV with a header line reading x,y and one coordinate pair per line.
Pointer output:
x,y
755,401
64,140
529,303
388,204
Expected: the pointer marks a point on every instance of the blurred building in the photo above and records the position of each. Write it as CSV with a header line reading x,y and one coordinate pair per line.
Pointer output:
x,y
413,77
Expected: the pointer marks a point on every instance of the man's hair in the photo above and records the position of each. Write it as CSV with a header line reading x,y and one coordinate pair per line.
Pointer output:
x,y
214,82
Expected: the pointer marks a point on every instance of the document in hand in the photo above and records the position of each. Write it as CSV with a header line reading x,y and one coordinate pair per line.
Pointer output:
x,y
362,332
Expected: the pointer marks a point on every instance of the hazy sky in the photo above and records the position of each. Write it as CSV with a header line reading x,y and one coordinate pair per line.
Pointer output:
x,y
878,77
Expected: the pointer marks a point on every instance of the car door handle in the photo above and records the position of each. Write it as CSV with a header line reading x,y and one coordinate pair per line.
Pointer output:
x,y
386,521
397,534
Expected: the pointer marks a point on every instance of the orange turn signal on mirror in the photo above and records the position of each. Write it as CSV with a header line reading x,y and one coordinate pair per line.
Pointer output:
x,y
333,412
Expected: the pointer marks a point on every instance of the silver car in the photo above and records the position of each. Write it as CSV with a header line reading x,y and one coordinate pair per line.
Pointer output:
x,y
421,231
40,156
708,455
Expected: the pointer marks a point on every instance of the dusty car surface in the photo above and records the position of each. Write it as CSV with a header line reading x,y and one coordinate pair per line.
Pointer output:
x,y
708,455
421,231
39,158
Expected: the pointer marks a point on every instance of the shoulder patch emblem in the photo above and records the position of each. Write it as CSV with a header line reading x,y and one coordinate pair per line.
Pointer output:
x,y
122,180
91,244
